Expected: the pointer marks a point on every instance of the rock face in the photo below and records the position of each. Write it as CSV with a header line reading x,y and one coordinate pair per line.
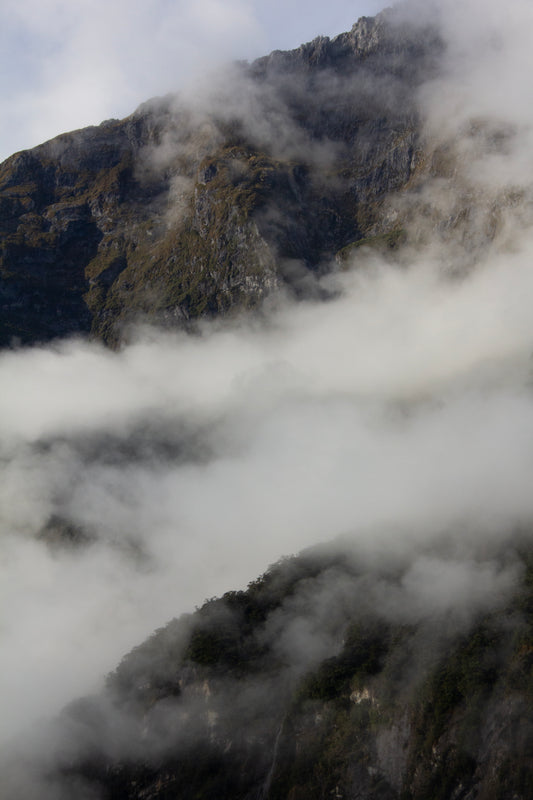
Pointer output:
x,y
187,210
225,704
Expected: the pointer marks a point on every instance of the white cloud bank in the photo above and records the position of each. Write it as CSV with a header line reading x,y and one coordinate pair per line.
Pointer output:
x,y
397,412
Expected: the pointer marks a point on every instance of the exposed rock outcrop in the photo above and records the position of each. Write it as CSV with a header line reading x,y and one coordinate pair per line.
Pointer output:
x,y
176,213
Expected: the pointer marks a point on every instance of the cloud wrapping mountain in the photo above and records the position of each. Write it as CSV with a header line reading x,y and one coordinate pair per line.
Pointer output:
x,y
398,415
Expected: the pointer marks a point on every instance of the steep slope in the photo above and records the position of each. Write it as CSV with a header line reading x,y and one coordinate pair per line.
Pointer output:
x,y
239,700
197,207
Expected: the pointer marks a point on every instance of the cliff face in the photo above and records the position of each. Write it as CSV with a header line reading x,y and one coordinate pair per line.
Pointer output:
x,y
196,209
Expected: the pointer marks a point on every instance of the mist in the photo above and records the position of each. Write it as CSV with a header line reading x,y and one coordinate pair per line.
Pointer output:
x,y
190,464
65,67
397,415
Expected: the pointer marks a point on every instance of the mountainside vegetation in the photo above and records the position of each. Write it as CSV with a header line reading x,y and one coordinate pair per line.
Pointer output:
x,y
232,702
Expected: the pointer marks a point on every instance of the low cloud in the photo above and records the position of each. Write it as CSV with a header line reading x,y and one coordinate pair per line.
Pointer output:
x,y
395,413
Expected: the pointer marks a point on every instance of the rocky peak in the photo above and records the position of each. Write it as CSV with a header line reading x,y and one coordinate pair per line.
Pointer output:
x,y
115,223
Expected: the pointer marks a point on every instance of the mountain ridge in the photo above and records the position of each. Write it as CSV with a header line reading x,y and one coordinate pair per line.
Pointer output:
x,y
174,213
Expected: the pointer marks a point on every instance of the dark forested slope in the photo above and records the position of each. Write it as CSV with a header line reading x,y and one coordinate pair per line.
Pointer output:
x,y
325,678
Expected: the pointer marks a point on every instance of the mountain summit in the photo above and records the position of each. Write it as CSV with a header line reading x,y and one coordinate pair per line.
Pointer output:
x,y
204,205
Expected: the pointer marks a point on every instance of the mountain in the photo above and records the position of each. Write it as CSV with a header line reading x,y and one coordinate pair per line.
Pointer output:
x,y
348,227
200,207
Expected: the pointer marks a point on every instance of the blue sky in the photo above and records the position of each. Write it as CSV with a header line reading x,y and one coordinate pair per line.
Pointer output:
x,y
69,64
